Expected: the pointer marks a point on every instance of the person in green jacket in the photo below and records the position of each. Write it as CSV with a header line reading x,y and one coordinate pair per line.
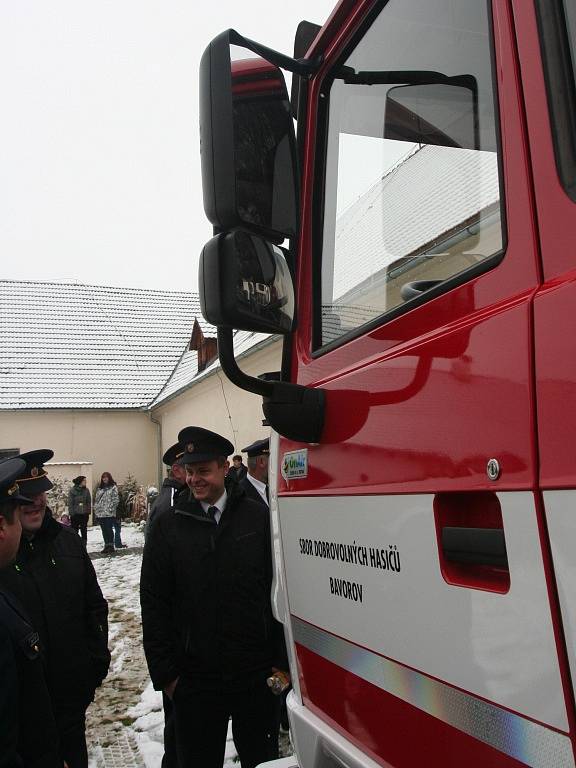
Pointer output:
x,y
79,506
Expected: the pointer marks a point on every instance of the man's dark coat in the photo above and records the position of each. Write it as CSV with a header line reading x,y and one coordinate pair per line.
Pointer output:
x,y
205,595
54,579
165,500
251,492
28,735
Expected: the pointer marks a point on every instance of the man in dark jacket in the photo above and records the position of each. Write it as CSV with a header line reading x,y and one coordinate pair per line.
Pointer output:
x,y
210,638
172,486
237,471
54,579
255,484
28,735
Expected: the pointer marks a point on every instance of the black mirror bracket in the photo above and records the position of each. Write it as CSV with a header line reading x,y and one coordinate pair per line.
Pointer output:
x,y
294,411
302,67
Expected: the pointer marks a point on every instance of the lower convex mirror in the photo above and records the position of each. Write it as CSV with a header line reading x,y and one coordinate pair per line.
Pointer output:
x,y
245,283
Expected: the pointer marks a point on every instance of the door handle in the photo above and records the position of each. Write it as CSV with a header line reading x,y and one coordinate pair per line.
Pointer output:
x,y
475,546
471,540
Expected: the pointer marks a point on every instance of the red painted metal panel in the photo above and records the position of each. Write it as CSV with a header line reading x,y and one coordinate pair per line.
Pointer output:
x,y
389,730
554,316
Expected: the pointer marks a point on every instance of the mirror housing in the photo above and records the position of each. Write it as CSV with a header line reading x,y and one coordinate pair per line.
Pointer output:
x,y
445,114
247,144
244,282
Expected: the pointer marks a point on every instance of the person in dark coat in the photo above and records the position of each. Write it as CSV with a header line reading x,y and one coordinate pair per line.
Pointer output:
x,y
28,735
210,639
55,581
237,471
255,484
172,486
79,506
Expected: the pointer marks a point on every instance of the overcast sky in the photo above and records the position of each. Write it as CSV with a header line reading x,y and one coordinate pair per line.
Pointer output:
x,y
99,158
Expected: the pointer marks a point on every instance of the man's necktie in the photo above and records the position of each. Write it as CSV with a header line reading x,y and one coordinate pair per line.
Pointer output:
x,y
267,495
211,512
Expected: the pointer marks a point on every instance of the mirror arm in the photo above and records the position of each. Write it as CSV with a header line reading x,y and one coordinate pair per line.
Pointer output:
x,y
303,67
294,411
231,369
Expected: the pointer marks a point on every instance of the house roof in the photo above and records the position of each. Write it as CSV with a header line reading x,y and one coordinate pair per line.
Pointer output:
x,y
90,346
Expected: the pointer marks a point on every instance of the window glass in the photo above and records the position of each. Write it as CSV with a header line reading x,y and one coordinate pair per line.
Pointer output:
x,y
411,186
570,12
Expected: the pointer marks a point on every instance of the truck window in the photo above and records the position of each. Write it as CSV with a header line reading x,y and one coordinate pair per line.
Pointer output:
x,y
557,22
411,195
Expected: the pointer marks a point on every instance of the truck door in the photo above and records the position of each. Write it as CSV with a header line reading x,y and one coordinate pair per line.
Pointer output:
x,y
412,534
550,99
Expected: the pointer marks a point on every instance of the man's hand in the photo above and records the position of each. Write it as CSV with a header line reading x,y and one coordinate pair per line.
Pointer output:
x,y
170,688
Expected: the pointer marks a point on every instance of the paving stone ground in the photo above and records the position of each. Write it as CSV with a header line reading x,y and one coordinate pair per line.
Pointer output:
x,y
116,750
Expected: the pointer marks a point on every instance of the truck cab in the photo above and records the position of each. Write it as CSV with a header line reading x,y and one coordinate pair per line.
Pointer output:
x,y
413,242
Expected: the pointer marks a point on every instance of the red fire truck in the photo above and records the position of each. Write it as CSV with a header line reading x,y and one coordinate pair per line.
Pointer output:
x,y
414,241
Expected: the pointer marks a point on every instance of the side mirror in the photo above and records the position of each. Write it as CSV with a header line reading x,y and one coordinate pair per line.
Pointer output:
x,y
245,283
248,146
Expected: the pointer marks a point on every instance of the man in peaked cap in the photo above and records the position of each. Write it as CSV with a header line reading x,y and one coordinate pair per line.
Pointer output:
x,y
54,579
28,734
210,638
172,485
255,484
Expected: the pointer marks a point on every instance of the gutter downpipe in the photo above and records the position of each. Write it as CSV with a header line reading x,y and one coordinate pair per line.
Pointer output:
x,y
159,467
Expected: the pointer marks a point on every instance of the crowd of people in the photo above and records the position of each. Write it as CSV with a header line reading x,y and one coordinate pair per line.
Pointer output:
x,y
211,642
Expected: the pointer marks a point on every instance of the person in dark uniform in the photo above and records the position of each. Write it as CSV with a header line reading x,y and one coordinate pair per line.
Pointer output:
x,y
210,639
172,487
54,579
255,484
28,735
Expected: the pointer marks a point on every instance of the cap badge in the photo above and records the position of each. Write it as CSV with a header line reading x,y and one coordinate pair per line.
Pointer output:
x,y
34,472
189,447
13,490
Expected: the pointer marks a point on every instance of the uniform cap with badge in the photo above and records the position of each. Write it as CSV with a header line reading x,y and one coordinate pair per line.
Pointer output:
x,y
173,454
34,478
202,445
258,448
10,469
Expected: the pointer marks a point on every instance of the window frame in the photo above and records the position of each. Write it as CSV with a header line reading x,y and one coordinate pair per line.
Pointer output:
x,y
320,164
560,80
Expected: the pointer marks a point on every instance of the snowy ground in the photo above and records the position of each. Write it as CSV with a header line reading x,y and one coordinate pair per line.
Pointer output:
x,y
125,722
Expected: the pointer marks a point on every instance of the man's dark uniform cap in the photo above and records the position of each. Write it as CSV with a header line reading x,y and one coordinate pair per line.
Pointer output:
x,y
34,478
9,488
202,445
259,448
173,454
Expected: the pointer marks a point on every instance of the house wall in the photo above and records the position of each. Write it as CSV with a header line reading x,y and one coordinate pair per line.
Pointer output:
x,y
119,442
217,404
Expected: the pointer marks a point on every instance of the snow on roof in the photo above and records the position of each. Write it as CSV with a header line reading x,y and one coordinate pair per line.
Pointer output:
x,y
89,346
